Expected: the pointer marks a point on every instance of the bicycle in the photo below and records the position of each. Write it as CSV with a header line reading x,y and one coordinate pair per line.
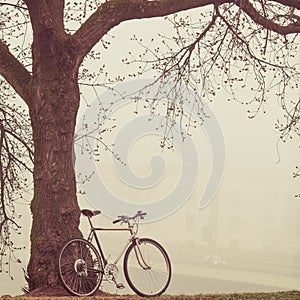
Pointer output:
x,y
146,264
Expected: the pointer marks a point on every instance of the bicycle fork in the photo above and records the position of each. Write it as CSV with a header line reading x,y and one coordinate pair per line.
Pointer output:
x,y
139,255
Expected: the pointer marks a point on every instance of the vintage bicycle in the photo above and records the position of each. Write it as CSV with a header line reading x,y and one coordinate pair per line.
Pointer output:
x,y
146,264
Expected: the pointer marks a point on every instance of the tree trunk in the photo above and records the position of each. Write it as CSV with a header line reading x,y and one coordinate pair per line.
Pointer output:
x,y
54,207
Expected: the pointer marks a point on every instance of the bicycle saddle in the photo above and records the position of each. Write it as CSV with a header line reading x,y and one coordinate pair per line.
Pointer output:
x,y
89,213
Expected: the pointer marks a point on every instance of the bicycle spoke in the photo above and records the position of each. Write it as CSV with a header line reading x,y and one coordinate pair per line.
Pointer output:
x,y
147,268
80,267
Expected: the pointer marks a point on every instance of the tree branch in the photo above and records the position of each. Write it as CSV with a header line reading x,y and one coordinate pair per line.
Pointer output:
x,y
249,9
113,12
290,3
13,5
15,73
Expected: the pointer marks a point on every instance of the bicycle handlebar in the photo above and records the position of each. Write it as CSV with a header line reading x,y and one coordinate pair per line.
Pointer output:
x,y
125,219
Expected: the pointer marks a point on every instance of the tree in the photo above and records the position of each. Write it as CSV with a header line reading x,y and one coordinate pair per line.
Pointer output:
x,y
45,76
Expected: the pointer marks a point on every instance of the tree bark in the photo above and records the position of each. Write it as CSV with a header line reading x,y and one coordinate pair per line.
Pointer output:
x,y
54,207
53,113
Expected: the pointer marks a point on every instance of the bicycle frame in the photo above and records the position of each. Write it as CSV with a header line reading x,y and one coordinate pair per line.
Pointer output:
x,y
146,265
132,239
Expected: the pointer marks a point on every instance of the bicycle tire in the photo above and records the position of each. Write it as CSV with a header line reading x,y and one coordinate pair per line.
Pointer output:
x,y
147,282
80,267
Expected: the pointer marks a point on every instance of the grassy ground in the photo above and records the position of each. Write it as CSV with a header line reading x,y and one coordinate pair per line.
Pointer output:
x,y
292,295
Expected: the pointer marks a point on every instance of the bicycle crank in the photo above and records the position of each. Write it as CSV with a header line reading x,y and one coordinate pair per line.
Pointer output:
x,y
111,273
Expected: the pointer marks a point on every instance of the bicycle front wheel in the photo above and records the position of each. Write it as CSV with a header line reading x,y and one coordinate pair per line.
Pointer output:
x,y
80,267
147,267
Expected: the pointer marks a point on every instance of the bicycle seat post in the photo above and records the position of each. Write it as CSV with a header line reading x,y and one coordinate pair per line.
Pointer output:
x,y
91,234
89,214
90,221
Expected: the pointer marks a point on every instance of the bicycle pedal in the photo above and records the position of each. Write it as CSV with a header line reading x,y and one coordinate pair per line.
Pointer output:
x,y
120,286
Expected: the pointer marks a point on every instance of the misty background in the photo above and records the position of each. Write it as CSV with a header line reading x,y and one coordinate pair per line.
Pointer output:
x,y
246,239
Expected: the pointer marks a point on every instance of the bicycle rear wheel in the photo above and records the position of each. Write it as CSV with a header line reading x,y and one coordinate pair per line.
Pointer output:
x,y
147,267
80,267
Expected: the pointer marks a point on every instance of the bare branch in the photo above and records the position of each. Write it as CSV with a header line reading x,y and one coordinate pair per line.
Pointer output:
x,y
13,162
290,3
249,9
14,5
113,12
15,73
